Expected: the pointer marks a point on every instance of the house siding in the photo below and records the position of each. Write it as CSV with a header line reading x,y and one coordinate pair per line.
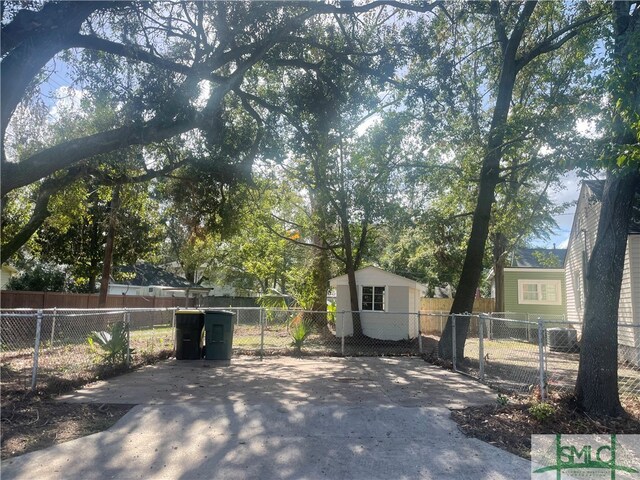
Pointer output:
x,y
630,294
583,231
5,276
583,237
511,277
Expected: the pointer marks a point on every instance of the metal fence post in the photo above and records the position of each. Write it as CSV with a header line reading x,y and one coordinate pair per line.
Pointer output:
x,y
419,334
173,329
342,336
127,322
453,341
541,360
490,328
53,325
263,321
481,318
36,350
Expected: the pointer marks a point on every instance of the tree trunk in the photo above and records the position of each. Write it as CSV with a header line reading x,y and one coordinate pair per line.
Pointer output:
x,y
320,275
108,250
351,271
597,382
354,304
499,250
489,177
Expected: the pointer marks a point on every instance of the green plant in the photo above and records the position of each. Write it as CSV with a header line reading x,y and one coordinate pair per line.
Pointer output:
x,y
114,343
299,329
541,411
272,301
502,400
331,313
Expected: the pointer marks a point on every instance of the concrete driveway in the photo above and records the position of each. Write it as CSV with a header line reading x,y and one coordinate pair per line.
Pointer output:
x,y
283,418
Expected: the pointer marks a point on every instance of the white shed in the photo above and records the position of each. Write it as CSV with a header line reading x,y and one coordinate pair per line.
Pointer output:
x,y
389,304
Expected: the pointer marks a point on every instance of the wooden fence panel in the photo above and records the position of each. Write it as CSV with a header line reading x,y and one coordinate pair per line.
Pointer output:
x,y
481,305
18,299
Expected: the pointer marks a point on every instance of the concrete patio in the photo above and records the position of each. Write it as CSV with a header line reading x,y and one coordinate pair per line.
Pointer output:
x,y
282,418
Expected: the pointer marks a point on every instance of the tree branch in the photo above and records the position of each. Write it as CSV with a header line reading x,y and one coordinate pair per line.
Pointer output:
x,y
40,212
554,42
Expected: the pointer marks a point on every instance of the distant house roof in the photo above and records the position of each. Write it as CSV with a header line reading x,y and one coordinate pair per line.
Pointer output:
x,y
597,188
147,275
539,257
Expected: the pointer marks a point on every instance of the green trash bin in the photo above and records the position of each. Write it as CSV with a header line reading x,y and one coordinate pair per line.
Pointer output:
x,y
189,325
218,328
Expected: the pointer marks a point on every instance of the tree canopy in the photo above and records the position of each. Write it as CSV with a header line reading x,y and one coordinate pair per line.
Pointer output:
x,y
269,143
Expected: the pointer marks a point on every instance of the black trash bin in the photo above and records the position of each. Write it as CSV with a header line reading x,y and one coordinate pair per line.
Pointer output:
x,y
218,327
189,324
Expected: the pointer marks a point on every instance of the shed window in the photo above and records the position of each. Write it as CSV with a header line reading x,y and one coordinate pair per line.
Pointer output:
x,y
373,298
539,292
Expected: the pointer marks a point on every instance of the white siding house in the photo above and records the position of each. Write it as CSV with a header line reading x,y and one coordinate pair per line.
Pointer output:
x,y
581,242
5,275
150,281
389,304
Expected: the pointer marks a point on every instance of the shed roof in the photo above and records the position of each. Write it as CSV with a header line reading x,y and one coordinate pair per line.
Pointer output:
x,y
387,277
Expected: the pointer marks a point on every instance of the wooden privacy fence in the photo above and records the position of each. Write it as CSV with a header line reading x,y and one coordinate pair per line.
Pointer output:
x,y
36,300
436,311
481,305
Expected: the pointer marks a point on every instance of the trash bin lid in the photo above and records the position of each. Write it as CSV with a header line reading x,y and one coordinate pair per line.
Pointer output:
x,y
189,312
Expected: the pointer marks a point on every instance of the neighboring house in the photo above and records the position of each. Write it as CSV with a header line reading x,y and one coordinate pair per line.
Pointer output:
x,y
215,290
534,283
148,280
581,242
389,304
7,272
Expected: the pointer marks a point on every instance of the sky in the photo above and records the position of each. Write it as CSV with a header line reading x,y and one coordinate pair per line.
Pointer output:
x,y
569,193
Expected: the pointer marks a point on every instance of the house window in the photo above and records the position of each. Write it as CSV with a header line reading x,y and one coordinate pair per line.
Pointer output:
x,y
539,292
373,298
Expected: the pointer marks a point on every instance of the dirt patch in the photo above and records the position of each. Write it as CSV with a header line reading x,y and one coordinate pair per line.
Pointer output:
x,y
35,423
510,426
34,420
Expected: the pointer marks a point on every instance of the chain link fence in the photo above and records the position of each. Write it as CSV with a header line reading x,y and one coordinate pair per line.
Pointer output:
x,y
49,349
261,331
540,357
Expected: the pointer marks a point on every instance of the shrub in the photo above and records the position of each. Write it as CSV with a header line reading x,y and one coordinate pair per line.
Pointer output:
x,y
541,411
114,343
331,313
42,278
502,400
299,329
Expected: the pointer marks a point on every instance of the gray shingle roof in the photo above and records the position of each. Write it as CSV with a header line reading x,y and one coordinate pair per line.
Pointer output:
x,y
147,274
539,257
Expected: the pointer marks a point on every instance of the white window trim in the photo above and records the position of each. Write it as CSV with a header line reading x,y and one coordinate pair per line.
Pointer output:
x,y
524,281
385,300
